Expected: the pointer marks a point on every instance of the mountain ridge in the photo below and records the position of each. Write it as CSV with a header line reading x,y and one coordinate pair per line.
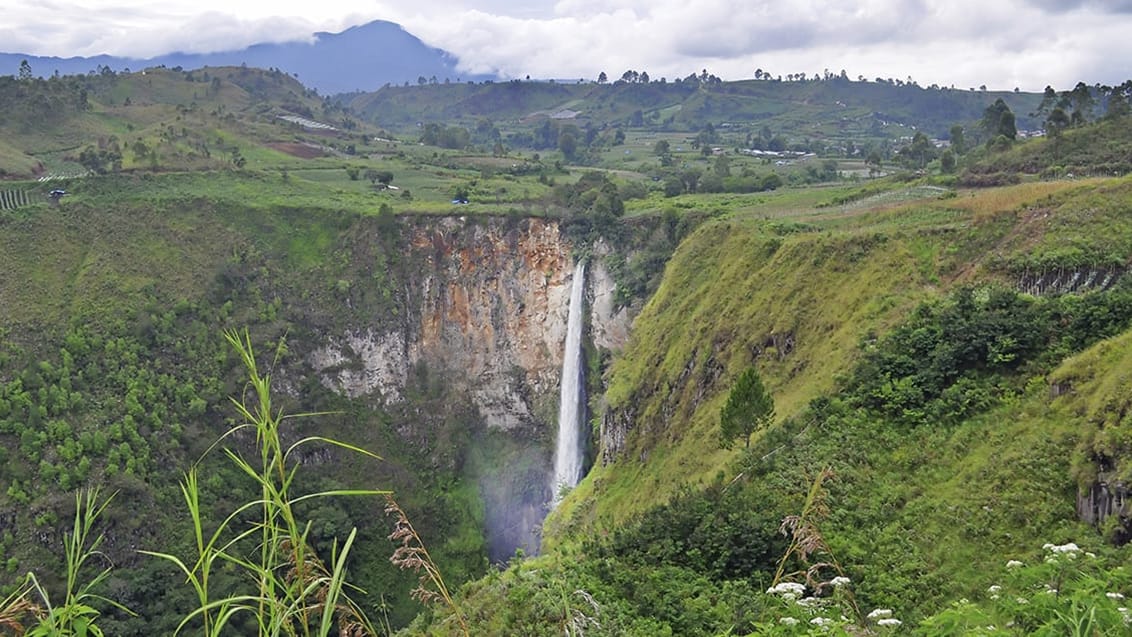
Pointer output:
x,y
362,57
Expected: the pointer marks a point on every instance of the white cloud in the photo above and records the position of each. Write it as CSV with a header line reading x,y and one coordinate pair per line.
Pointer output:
x,y
963,42
140,28
206,33
1006,43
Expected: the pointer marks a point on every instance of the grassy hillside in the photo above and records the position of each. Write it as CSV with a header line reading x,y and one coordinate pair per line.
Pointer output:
x,y
797,298
922,521
946,363
1098,400
932,425
1101,149
159,119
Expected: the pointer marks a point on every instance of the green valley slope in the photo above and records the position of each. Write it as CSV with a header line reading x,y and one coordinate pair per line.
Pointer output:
x,y
926,499
948,361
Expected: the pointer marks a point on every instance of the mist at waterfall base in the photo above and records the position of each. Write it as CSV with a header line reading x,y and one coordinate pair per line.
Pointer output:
x,y
569,451
515,491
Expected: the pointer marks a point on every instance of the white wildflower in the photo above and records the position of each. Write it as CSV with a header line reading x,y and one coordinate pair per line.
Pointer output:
x,y
840,580
788,621
1090,555
1014,564
809,602
1114,595
880,612
1051,590
821,621
1021,600
994,588
1067,549
889,621
793,589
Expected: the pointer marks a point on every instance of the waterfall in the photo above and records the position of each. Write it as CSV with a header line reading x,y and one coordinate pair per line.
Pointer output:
x,y
568,450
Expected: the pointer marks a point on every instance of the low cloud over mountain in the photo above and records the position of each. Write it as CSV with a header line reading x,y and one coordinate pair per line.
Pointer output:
x,y
1005,44
360,58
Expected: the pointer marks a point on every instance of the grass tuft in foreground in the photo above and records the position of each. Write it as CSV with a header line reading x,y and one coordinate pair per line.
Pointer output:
x,y
30,610
293,591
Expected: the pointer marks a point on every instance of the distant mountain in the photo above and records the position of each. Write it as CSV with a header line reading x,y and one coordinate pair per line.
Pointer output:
x,y
361,58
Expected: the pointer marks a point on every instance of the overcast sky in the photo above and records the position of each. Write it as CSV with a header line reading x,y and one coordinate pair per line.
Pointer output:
x,y
1000,43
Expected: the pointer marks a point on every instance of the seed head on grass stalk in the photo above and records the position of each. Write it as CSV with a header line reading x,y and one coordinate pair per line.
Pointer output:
x,y
807,543
412,555
18,609
77,615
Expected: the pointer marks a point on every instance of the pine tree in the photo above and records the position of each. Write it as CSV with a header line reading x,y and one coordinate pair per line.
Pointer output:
x,y
749,408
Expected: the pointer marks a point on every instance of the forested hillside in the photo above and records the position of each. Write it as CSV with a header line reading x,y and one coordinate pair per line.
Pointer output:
x,y
942,326
116,373
814,105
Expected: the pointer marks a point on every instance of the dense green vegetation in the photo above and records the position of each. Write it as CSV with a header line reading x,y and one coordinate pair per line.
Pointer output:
x,y
828,317
832,106
951,360
944,363
924,502
115,373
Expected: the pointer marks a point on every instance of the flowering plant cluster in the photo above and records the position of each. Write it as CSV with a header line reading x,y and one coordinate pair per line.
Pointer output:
x,y
1065,590
825,609
1068,591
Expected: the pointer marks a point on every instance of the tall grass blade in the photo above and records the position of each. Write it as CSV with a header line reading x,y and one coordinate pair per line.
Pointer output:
x,y
293,592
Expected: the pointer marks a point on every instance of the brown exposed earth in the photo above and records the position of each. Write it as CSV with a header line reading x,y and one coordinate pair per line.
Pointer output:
x,y
302,151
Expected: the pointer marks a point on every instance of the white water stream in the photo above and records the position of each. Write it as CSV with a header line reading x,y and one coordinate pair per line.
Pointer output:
x,y
569,448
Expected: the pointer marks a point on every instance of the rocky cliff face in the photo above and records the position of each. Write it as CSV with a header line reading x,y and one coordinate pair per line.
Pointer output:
x,y
485,306
1068,280
609,324
487,303
1105,498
